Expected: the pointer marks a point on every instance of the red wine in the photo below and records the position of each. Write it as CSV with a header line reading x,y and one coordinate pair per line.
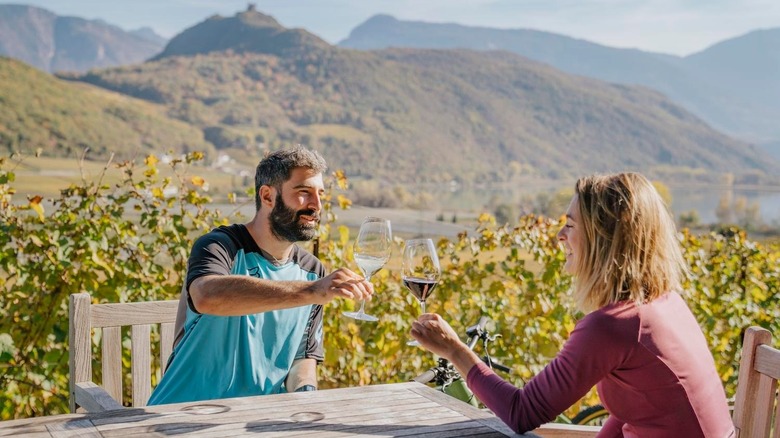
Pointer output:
x,y
420,287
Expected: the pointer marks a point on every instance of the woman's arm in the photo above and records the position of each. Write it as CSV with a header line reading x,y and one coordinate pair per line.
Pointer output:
x,y
590,354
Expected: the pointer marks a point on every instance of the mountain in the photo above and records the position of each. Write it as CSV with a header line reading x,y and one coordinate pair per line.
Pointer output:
x,y
53,43
149,34
748,65
250,31
418,115
722,85
62,118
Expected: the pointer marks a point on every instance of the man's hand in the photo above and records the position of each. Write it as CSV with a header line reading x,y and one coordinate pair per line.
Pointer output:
x,y
342,283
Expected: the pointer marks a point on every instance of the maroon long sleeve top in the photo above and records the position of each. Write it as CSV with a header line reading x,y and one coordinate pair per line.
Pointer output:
x,y
651,367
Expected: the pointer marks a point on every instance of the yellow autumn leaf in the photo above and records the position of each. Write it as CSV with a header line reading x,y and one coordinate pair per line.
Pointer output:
x,y
341,179
344,202
35,204
157,193
343,234
151,160
198,181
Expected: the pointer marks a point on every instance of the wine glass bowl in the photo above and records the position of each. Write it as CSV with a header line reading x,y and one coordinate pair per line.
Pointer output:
x,y
420,270
372,249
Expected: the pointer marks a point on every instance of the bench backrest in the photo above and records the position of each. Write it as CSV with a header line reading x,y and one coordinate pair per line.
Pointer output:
x,y
110,318
756,411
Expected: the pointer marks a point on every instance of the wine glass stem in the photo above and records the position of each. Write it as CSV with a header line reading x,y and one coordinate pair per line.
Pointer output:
x,y
363,302
422,304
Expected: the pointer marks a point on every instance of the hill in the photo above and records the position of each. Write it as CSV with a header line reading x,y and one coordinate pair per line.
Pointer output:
x,y
249,31
38,110
722,85
53,43
749,65
421,115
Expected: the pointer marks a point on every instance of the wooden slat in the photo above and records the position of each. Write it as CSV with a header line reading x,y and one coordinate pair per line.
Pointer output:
x,y
166,343
752,405
776,429
768,361
111,362
81,428
141,365
149,312
80,354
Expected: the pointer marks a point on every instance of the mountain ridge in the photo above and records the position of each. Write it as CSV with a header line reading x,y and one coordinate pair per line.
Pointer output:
x,y
51,42
247,31
683,79
410,115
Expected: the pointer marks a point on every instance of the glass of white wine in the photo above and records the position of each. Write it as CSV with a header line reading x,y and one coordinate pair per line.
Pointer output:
x,y
372,250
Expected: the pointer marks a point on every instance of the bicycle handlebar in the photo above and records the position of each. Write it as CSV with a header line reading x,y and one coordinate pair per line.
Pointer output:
x,y
425,377
475,331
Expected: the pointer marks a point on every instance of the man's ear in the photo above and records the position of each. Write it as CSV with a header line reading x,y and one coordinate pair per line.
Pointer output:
x,y
267,196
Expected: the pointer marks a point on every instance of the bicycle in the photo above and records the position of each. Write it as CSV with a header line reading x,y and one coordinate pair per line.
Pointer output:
x,y
594,415
447,379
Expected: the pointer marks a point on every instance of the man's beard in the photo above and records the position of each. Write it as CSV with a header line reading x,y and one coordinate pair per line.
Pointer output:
x,y
285,222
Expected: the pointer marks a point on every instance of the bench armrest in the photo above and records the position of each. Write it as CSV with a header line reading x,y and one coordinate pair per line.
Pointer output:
x,y
94,398
566,430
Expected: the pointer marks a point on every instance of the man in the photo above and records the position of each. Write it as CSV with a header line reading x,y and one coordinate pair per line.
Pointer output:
x,y
250,313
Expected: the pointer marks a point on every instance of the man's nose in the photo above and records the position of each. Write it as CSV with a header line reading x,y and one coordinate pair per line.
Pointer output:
x,y
316,202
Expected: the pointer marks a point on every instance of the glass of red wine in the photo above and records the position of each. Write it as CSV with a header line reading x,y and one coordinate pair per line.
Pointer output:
x,y
420,270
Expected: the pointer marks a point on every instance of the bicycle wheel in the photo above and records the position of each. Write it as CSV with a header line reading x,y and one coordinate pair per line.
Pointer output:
x,y
591,416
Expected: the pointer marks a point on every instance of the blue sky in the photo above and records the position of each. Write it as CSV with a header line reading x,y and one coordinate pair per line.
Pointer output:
x,y
677,27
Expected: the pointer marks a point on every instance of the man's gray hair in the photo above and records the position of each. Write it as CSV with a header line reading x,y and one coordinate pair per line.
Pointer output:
x,y
277,166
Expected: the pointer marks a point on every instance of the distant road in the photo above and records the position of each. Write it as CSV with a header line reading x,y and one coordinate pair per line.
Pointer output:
x,y
408,223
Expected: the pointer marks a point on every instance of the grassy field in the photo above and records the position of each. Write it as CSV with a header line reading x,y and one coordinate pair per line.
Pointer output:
x,y
47,176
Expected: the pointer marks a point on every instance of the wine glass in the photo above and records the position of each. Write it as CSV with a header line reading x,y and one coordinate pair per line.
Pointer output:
x,y
372,250
420,270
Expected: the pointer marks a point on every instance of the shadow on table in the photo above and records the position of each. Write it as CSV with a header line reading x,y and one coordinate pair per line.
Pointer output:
x,y
309,421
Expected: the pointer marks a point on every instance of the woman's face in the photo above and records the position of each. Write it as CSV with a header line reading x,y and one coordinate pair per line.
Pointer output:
x,y
570,235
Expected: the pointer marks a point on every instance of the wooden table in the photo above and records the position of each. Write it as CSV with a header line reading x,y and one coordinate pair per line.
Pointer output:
x,y
403,409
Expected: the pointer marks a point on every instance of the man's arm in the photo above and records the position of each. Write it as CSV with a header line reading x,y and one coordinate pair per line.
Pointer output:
x,y
302,372
234,295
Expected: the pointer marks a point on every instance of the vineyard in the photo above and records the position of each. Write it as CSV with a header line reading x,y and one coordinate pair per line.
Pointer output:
x,y
129,241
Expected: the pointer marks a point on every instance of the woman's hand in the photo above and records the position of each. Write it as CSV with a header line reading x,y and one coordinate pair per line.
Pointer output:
x,y
436,335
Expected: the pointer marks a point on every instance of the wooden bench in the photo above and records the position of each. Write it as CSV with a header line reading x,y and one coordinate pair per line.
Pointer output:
x,y
755,404
140,316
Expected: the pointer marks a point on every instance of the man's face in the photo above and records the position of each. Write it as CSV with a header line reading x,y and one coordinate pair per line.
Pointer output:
x,y
296,212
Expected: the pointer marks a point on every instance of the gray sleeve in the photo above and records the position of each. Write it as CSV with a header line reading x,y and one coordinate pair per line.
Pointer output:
x,y
212,254
312,343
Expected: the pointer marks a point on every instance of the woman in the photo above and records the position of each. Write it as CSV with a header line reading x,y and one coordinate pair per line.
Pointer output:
x,y
640,344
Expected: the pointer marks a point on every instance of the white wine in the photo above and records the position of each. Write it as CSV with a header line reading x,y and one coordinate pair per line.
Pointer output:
x,y
369,265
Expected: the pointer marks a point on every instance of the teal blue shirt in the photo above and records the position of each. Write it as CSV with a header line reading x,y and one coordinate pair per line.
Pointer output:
x,y
234,356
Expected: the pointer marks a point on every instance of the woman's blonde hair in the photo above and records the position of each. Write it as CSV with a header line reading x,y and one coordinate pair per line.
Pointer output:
x,y
629,249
